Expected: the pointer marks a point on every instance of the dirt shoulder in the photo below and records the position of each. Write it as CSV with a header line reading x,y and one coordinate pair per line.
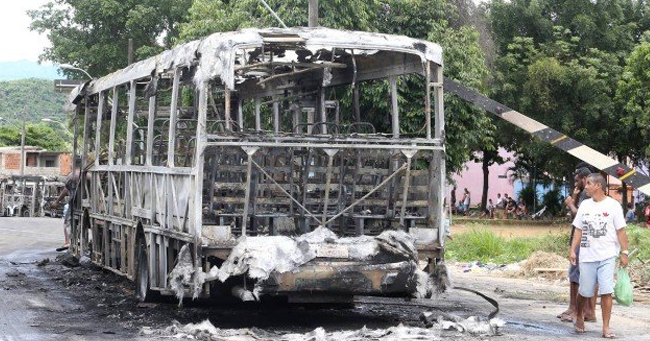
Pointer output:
x,y
532,305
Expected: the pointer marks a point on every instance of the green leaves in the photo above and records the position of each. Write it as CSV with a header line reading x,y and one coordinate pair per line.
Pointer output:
x,y
94,34
40,135
36,99
633,94
560,64
464,58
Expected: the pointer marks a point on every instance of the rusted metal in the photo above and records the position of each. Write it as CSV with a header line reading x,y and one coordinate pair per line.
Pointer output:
x,y
330,277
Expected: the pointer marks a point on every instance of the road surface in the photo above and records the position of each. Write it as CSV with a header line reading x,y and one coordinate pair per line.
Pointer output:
x,y
45,300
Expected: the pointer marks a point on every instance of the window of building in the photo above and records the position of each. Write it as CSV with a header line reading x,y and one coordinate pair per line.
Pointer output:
x,y
50,162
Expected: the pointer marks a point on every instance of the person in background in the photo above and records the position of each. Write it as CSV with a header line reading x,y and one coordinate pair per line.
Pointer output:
x,y
629,216
453,200
500,206
600,235
501,201
463,206
511,207
69,191
646,213
573,202
489,210
522,210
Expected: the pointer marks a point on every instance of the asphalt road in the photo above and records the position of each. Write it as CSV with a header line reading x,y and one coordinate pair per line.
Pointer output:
x,y
49,301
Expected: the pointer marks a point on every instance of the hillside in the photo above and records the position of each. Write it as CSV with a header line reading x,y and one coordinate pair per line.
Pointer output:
x,y
36,97
23,69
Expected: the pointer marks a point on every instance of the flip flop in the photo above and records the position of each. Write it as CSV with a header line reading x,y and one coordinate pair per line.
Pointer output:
x,y
62,248
609,336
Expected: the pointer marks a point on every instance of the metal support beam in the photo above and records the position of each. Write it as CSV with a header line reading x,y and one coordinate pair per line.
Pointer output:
x,y
150,119
427,98
111,134
98,133
227,108
129,124
439,111
407,180
250,151
240,113
394,106
276,117
173,117
258,119
330,162
323,111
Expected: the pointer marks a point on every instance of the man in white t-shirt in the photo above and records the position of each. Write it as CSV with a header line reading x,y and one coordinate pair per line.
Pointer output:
x,y
600,233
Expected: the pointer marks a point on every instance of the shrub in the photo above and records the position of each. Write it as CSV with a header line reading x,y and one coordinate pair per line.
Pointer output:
x,y
553,201
529,194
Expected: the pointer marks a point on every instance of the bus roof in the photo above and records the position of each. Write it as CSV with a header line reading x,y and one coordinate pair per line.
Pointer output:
x,y
215,54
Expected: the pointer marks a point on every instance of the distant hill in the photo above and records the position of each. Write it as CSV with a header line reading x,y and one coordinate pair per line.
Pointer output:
x,y
36,97
23,69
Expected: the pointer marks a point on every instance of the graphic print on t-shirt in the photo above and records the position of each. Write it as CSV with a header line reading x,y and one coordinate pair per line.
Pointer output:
x,y
594,225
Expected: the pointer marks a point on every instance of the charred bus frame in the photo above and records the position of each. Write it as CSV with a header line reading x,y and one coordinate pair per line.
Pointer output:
x,y
258,133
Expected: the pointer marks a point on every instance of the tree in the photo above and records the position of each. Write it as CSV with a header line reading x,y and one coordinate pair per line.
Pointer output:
x,y
209,16
39,135
464,59
94,34
486,157
36,97
633,93
559,63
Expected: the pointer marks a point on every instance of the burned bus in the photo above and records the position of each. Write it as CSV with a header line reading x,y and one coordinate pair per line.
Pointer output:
x,y
266,162
22,195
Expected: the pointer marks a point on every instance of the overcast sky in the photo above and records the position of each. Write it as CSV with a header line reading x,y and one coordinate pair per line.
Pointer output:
x,y
17,42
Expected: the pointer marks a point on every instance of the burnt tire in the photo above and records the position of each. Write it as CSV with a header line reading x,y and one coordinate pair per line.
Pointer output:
x,y
25,212
142,287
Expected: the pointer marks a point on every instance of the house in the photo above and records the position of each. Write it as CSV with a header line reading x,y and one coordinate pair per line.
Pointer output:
x,y
499,180
38,161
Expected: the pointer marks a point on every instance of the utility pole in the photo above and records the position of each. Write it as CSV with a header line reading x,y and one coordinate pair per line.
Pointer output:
x,y
313,13
130,52
22,153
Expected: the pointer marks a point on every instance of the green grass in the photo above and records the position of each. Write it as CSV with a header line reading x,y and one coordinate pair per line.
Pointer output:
x,y
639,238
485,246
481,244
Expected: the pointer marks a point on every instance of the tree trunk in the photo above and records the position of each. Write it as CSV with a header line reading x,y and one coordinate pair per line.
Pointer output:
x,y
313,13
486,172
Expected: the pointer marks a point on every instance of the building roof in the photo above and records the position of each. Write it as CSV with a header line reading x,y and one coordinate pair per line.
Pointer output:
x,y
17,149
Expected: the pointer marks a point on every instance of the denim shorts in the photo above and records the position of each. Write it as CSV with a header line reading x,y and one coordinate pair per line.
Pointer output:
x,y
574,270
601,273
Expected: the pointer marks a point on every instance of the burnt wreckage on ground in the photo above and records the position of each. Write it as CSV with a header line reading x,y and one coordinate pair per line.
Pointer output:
x,y
245,163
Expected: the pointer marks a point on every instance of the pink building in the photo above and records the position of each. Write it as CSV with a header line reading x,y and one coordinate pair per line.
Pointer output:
x,y
472,179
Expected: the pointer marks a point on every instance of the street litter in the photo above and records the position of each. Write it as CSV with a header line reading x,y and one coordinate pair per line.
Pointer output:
x,y
207,331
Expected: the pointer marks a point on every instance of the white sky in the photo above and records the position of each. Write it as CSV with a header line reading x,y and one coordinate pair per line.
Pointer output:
x,y
17,42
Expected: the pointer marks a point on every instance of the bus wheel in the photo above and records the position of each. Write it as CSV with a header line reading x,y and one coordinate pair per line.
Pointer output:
x,y
25,212
143,289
